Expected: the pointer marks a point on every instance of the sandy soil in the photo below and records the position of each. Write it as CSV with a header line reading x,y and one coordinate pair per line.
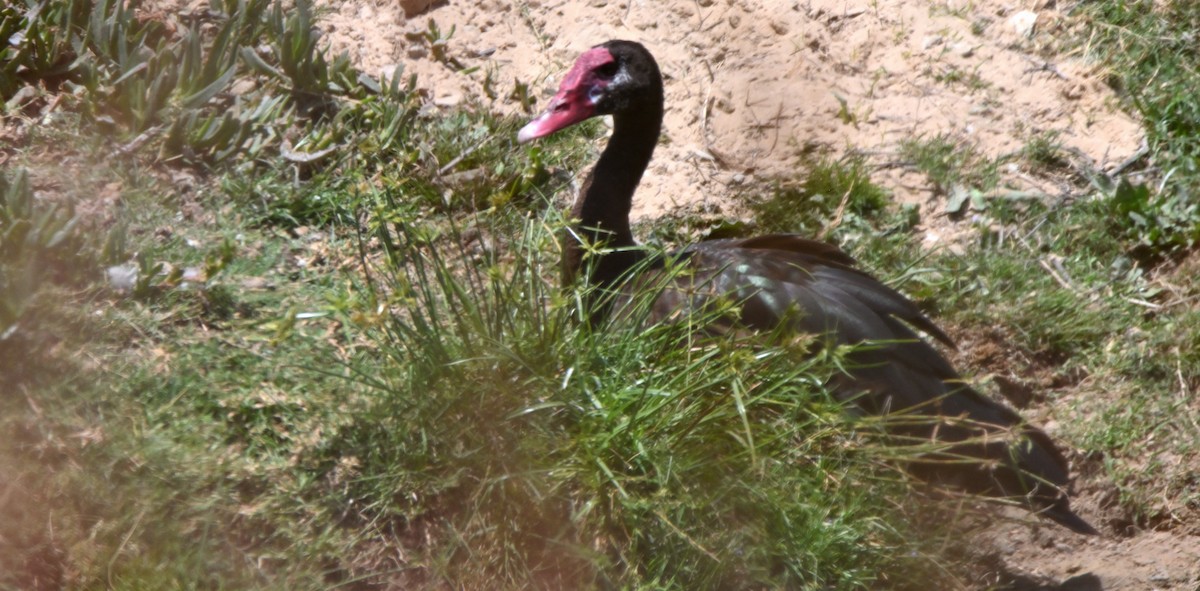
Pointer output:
x,y
1027,558
751,84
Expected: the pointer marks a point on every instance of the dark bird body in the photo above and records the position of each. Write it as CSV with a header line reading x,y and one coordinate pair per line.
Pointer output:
x,y
808,286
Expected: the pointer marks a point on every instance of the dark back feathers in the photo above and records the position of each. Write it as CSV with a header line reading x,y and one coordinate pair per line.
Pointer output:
x,y
814,288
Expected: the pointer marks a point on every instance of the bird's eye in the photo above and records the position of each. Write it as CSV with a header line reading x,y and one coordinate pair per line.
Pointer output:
x,y
607,70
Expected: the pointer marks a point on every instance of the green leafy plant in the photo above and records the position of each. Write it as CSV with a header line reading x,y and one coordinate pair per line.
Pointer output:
x,y
439,42
313,81
143,78
1153,55
1157,224
42,41
30,233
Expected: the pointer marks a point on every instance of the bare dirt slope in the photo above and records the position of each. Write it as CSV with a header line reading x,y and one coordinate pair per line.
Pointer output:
x,y
1042,559
753,83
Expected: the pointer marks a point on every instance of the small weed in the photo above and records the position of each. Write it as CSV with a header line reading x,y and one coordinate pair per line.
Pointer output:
x,y
832,191
979,26
844,114
438,44
1157,225
955,9
521,94
954,75
1043,151
949,163
313,80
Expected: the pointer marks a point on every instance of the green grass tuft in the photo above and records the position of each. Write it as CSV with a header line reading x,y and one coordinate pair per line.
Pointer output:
x,y
535,450
949,163
1152,52
832,191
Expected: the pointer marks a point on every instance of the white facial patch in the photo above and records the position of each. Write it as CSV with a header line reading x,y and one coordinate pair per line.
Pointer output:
x,y
622,77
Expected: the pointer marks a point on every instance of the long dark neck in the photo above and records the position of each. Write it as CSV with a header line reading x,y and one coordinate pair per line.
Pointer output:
x,y
607,194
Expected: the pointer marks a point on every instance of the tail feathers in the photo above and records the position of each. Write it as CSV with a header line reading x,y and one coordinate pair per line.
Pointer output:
x,y
986,448
1062,514
1020,470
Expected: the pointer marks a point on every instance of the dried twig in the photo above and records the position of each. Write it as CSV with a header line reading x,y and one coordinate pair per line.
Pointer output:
x,y
1141,152
1044,67
1054,270
837,214
454,161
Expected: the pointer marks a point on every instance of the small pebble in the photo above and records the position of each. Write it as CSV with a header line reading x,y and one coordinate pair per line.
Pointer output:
x,y
243,86
1024,23
122,277
389,71
980,109
963,49
414,7
417,52
448,100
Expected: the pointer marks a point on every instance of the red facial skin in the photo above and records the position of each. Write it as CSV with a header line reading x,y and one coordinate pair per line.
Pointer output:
x,y
576,98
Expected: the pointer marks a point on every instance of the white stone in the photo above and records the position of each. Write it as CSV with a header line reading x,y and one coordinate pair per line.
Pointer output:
x,y
1024,22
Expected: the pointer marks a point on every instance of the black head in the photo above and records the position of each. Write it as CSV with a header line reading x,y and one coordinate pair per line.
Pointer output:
x,y
608,79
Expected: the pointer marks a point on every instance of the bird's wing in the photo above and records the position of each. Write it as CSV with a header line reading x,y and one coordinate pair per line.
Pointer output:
x,y
814,288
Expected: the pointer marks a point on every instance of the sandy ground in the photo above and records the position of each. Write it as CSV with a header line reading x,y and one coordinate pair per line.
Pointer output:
x,y
751,84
